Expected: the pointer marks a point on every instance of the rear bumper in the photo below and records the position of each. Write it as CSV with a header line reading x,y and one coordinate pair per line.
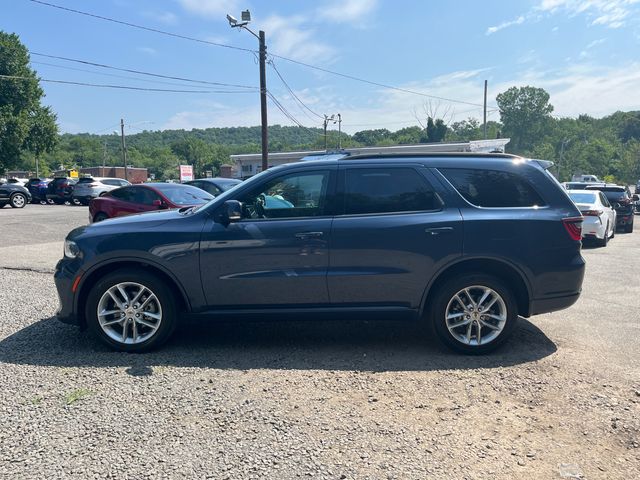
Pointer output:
x,y
547,305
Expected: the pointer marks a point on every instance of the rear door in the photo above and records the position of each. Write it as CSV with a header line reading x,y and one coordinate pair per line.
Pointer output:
x,y
393,232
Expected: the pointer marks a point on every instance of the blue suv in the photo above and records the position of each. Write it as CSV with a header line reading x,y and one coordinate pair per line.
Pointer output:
x,y
467,242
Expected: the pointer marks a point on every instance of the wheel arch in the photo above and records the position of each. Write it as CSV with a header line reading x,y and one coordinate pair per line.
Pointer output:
x,y
91,277
503,270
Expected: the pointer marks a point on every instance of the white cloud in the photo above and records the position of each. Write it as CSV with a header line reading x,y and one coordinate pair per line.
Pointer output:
x,y
610,13
343,11
147,50
168,18
211,8
292,38
516,21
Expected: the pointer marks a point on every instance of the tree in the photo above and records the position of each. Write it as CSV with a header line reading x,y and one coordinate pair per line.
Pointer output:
x,y
631,128
436,130
525,113
25,125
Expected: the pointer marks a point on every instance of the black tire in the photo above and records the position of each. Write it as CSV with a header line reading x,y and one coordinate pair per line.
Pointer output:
x,y
99,217
164,296
18,200
603,242
444,297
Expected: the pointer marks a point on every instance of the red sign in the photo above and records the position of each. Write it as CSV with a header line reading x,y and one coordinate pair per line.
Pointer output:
x,y
186,173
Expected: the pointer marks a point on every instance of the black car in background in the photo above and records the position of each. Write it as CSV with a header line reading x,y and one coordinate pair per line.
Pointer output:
x,y
38,189
60,190
14,194
214,186
621,199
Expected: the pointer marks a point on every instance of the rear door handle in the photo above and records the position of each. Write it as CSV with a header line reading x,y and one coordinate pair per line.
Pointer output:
x,y
307,235
438,230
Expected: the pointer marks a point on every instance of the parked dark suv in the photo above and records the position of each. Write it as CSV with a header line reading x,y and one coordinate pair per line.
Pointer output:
x,y
620,197
60,190
466,241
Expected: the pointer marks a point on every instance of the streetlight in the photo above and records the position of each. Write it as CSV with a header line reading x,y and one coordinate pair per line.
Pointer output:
x,y
234,23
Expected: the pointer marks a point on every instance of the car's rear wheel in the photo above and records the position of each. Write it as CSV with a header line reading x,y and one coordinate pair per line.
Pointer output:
x,y
474,313
99,217
602,242
18,200
131,311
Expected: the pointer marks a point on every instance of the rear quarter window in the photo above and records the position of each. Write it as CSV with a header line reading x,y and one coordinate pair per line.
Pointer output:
x,y
492,188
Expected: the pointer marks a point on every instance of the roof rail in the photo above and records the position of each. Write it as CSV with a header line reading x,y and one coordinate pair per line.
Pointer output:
x,y
429,154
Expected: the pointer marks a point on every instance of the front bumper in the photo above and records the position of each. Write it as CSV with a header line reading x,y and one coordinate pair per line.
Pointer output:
x,y
64,278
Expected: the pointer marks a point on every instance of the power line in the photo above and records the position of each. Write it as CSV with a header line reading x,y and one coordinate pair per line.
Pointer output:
x,y
141,27
297,62
140,72
289,115
121,87
273,65
113,75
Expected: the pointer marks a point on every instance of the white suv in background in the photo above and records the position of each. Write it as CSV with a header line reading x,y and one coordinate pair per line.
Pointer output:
x,y
94,187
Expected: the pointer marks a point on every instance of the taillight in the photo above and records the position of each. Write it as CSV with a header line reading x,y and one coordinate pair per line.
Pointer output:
x,y
573,226
591,213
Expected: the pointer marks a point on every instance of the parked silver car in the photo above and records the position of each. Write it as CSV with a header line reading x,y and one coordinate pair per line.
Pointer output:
x,y
94,187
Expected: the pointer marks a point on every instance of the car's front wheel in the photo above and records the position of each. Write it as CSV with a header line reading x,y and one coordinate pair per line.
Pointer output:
x,y
474,313
131,311
18,200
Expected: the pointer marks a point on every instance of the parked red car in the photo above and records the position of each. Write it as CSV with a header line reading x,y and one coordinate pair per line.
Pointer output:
x,y
145,198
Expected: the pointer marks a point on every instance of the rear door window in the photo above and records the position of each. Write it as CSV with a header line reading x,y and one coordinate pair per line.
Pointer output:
x,y
387,190
492,188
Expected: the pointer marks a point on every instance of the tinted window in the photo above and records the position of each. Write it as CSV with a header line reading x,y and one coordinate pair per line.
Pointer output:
x,y
144,196
492,188
293,195
114,183
86,180
183,194
604,200
124,194
386,190
583,197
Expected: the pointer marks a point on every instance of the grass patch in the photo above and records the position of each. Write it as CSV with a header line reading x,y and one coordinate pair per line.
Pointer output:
x,y
76,395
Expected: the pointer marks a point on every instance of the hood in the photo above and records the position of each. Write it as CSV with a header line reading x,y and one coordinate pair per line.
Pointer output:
x,y
138,221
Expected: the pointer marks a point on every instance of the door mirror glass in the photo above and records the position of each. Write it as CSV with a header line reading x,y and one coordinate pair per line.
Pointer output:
x,y
231,211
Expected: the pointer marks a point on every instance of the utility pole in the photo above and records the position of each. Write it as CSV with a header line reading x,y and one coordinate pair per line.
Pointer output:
x,y
485,109
263,101
104,158
327,119
124,149
339,132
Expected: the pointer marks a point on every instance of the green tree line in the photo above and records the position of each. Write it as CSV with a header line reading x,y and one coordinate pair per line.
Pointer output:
x,y
608,147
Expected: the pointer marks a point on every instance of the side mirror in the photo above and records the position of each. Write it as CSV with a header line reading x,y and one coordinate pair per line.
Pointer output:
x,y
231,212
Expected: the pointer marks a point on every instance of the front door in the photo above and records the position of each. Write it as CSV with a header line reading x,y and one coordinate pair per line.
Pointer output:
x,y
277,254
393,233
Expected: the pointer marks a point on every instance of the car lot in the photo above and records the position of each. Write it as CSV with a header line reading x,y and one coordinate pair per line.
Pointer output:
x,y
332,400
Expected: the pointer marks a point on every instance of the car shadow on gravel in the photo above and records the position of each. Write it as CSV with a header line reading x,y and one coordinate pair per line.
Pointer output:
x,y
352,345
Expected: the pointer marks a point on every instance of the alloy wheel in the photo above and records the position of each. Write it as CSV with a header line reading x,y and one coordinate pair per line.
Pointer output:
x,y
129,313
476,315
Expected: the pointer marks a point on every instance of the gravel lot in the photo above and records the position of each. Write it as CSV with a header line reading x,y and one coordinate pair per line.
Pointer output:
x,y
315,400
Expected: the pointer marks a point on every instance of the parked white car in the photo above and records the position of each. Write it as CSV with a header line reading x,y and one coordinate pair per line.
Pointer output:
x,y
599,216
89,188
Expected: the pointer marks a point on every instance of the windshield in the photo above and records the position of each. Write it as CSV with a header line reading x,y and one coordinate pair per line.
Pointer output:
x,y
184,194
583,197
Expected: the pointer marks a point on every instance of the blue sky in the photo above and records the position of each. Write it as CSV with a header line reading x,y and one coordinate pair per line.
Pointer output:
x,y
584,52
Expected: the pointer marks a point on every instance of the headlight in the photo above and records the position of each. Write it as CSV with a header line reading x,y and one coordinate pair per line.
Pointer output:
x,y
71,249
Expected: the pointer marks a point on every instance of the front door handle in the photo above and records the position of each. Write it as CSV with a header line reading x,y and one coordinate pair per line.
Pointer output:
x,y
307,235
438,230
